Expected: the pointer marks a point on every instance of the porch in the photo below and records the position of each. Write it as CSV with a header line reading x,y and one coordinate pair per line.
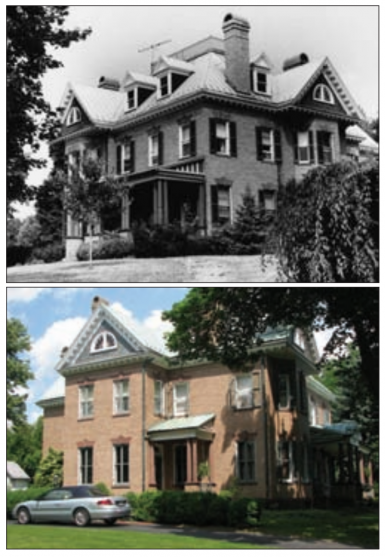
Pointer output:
x,y
177,448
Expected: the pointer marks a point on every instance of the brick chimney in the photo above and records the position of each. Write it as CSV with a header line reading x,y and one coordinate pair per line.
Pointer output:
x,y
237,53
98,301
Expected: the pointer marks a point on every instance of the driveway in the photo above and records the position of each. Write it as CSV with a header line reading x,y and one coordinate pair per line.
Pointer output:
x,y
258,538
246,268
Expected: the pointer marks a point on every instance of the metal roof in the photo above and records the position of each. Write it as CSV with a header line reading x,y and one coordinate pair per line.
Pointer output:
x,y
189,422
15,472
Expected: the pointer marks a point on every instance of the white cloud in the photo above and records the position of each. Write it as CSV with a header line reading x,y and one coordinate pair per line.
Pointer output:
x,y
24,295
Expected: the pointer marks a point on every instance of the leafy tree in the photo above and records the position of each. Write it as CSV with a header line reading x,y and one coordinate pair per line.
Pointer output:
x,y
33,32
327,225
29,232
221,324
50,470
50,207
24,445
18,370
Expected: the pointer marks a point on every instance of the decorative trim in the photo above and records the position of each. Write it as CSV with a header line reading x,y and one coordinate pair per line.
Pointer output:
x,y
84,444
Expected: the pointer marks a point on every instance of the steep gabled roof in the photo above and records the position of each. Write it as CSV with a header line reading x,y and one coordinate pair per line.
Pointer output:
x,y
102,106
15,472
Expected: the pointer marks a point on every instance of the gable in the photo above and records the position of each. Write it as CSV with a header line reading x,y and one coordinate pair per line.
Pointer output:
x,y
69,128
309,102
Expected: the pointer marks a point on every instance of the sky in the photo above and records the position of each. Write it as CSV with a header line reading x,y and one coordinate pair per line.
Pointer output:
x,y
54,317
348,35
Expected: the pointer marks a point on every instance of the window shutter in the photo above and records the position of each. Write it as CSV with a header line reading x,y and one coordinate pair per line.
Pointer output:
x,y
320,148
233,139
132,156
311,146
296,154
257,388
258,137
213,136
118,159
160,148
193,149
277,146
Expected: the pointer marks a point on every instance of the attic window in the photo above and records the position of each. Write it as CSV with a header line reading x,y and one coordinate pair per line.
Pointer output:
x,y
131,99
103,342
261,82
322,93
74,116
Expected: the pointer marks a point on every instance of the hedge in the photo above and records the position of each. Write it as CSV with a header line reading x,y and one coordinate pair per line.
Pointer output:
x,y
114,248
197,508
14,497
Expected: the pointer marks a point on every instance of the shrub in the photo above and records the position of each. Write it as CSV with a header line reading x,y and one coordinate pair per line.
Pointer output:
x,y
20,495
18,255
49,253
103,488
159,241
114,248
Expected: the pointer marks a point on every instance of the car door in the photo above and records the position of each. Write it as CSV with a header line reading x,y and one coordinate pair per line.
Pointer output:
x,y
54,506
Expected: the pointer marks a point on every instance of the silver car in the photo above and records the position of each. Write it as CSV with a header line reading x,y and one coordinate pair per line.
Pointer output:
x,y
79,504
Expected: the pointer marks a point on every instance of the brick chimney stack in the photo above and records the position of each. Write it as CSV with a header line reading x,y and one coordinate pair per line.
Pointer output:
x,y
98,301
237,53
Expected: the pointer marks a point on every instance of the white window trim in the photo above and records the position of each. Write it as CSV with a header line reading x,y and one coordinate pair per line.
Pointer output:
x,y
321,88
114,464
86,400
238,474
135,91
159,401
227,151
169,84
105,347
272,146
151,153
257,71
287,381
292,478
307,147
123,147
80,479
74,116
181,143
179,399
118,395
244,392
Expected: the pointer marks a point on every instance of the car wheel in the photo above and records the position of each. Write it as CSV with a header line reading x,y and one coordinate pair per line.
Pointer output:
x,y
81,517
23,516
110,521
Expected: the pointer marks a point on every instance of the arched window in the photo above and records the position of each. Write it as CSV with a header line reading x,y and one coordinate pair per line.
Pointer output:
x,y
104,341
74,116
322,93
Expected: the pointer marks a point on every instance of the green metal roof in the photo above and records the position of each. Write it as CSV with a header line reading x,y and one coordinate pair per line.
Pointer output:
x,y
189,422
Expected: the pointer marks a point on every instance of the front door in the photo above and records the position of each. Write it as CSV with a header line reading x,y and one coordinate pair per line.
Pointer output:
x,y
158,457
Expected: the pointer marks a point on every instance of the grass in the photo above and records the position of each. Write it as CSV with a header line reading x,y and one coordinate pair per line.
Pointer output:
x,y
359,527
60,537
246,268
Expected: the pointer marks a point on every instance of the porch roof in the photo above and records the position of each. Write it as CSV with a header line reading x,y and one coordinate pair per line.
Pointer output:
x,y
330,436
161,173
182,428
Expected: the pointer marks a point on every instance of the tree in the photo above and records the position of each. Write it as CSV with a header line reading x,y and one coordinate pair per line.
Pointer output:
x,y
222,324
327,225
32,34
50,207
29,232
24,445
18,370
50,470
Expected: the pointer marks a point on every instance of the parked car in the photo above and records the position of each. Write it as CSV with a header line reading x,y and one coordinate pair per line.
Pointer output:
x,y
79,504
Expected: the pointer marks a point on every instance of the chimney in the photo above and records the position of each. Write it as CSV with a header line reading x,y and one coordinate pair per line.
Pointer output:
x,y
98,301
295,61
109,83
236,38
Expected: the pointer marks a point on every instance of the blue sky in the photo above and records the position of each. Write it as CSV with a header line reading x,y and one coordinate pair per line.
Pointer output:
x,y
54,317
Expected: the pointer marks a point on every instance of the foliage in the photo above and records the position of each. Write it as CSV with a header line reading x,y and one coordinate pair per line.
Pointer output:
x,y
112,248
29,232
14,497
50,470
222,324
327,225
159,241
18,370
198,508
49,208
18,255
24,445
49,253
33,33
103,488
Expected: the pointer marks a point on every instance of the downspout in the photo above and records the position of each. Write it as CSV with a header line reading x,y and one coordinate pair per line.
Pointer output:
x,y
145,361
265,432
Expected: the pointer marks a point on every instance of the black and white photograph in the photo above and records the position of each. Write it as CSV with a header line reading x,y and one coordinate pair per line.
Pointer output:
x,y
192,144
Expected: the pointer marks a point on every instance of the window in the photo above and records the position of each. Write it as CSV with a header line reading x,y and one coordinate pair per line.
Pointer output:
x,y
187,140
322,93
325,414
223,137
155,149
121,464
268,145
261,83
246,461
158,398
104,341
121,397
86,401
125,157
313,411
304,147
181,399
325,147
180,464
244,391
284,398
74,116
287,460
165,85
267,200
220,205
86,465
131,99
300,339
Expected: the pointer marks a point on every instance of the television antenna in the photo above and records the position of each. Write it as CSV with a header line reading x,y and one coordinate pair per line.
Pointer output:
x,y
152,48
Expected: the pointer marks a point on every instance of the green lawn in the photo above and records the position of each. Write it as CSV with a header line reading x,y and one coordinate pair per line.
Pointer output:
x,y
358,527
59,537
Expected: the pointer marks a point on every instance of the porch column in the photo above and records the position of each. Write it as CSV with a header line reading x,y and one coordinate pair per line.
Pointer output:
x,y
350,464
151,456
361,468
211,462
125,212
160,202
201,206
189,471
155,202
194,461
165,202
341,463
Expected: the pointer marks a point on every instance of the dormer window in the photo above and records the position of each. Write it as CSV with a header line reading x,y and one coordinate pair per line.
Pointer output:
x,y
171,73
261,82
165,85
104,341
74,116
322,93
132,99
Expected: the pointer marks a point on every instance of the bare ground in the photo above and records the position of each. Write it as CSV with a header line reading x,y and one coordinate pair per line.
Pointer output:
x,y
174,270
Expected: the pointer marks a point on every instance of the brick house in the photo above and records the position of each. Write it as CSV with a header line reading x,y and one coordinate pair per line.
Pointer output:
x,y
208,123
125,415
